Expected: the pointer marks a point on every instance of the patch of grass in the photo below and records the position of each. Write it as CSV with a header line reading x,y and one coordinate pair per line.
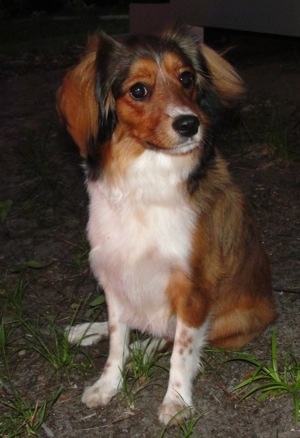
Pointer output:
x,y
53,346
188,426
95,305
22,418
30,264
5,336
13,287
145,358
273,379
137,374
184,430
130,388
13,295
23,415
47,338
81,257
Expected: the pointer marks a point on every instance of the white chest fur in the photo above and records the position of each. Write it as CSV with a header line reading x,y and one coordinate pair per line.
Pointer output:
x,y
140,230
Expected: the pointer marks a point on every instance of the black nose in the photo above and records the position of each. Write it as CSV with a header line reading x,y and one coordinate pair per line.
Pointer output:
x,y
186,125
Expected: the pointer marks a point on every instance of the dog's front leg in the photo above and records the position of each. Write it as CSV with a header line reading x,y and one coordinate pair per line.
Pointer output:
x,y
109,382
185,362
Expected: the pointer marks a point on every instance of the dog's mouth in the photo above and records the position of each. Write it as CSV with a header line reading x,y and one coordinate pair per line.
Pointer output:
x,y
180,149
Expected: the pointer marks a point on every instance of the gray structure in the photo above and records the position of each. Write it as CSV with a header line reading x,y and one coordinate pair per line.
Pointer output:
x,y
280,17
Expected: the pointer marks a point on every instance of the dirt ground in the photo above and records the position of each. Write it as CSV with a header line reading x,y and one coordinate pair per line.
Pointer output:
x,y
41,175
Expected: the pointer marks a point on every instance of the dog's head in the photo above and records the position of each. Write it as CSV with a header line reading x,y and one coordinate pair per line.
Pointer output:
x,y
155,92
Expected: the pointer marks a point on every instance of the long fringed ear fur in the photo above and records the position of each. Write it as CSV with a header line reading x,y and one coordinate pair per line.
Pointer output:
x,y
227,83
225,79
84,99
106,68
86,102
76,100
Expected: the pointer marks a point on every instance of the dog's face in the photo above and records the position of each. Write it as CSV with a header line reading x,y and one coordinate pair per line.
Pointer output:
x,y
149,92
157,104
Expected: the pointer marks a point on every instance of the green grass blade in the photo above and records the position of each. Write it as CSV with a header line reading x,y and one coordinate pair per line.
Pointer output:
x,y
274,357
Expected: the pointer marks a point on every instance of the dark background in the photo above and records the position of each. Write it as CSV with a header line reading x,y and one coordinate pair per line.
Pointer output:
x,y
25,8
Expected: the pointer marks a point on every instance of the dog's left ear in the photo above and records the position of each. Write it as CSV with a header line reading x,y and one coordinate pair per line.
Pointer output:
x,y
225,79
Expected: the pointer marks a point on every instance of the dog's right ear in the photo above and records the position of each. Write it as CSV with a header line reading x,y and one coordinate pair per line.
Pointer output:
x,y
85,101
76,100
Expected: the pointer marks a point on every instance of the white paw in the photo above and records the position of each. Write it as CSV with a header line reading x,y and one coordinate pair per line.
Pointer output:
x,y
99,394
173,412
87,333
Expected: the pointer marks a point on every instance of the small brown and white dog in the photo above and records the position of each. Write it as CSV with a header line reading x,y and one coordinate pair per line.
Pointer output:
x,y
172,241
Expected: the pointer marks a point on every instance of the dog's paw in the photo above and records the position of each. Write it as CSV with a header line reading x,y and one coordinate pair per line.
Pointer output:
x,y
172,412
87,333
99,394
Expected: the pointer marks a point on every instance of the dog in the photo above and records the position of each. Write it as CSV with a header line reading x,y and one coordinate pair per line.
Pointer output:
x,y
173,243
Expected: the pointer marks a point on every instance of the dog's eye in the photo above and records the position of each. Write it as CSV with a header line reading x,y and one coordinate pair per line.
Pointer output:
x,y
138,91
187,79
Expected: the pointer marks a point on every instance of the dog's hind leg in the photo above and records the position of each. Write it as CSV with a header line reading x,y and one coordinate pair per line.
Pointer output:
x,y
241,322
87,333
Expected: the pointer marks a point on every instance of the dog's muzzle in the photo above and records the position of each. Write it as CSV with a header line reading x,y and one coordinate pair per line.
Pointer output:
x,y
186,125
